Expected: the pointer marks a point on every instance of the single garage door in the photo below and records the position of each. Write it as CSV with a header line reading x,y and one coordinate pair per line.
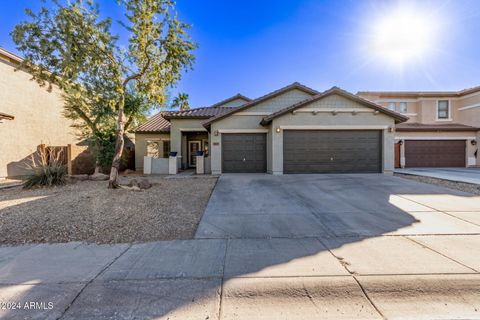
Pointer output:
x,y
332,151
244,152
436,153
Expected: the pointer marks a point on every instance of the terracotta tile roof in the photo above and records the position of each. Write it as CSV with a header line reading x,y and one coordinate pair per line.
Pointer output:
x,y
6,116
256,101
434,127
205,112
419,94
335,90
155,124
198,113
160,123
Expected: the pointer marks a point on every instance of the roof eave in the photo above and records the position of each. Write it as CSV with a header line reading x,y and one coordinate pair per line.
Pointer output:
x,y
151,131
436,129
399,118
186,117
270,95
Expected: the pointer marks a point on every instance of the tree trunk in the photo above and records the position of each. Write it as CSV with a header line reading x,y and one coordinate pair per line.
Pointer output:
x,y
119,143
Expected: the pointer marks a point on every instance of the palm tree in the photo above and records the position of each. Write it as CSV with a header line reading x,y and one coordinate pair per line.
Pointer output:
x,y
181,101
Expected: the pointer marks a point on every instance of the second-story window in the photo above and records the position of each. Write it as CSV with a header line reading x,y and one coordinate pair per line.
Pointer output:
x,y
402,107
391,106
443,110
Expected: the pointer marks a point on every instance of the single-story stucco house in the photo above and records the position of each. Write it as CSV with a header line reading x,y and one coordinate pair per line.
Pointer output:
x,y
295,129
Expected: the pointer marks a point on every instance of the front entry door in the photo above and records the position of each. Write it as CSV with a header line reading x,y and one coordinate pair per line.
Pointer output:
x,y
193,147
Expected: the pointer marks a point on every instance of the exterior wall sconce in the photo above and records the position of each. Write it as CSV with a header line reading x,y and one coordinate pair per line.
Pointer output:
x,y
215,133
334,113
354,113
376,112
294,112
473,142
400,142
277,130
391,129
314,112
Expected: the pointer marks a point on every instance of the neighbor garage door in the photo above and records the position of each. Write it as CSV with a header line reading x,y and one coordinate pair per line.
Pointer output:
x,y
437,153
244,152
332,151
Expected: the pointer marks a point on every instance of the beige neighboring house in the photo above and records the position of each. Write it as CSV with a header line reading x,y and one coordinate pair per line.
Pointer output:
x,y
294,129
442,130
29,116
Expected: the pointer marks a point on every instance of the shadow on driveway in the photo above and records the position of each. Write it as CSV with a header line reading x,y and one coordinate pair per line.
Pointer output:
x,y
271,247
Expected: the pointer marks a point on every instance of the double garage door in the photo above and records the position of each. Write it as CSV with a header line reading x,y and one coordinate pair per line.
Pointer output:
x,y
306,151
435,153
332,151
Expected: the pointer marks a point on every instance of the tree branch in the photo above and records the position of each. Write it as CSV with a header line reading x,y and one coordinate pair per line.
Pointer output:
x,y
141,73
128,123
85,118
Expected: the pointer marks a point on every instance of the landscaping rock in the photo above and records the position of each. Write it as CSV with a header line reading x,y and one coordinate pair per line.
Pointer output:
x,y
79,177
98,177
144,184
133,183
141,184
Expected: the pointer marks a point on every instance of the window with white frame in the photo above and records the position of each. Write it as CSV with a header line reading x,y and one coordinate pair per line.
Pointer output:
x,y
391,106
402,107
443,109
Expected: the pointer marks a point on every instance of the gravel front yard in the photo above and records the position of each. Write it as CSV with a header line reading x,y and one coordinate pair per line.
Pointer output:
x,y
88,211
466,187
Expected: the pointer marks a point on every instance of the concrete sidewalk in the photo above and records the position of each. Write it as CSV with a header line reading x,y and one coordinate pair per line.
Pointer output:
x,y
308,278
467,175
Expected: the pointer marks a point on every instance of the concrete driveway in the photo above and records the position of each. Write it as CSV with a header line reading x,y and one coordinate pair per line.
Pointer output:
x,y
265,206
274,247
468,175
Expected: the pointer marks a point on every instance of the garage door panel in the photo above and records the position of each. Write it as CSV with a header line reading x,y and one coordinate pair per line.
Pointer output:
x,y
244,152
435,153
327,151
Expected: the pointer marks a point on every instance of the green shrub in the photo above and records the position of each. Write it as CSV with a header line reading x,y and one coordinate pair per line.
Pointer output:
x,y
48,175
47,169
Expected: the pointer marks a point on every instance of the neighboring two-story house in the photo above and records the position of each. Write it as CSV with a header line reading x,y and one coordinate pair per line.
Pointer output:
x,y
31,117
442,130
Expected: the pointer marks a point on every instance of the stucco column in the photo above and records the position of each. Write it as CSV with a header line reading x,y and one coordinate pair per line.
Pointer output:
x,y
277,150
388,150
402,153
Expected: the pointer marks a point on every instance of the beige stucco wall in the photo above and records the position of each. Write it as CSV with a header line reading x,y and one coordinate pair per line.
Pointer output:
x,y
424,110
470,115
141,146
281,101
38,119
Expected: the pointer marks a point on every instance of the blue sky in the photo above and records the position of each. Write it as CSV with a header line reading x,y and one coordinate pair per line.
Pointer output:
x,y
253,47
